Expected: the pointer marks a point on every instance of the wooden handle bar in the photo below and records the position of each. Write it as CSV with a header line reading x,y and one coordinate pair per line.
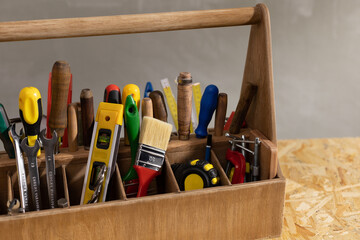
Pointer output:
x,y
123,24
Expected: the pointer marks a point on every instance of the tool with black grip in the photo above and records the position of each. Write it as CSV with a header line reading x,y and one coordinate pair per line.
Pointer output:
x,y
23,189
30,109
49,146
195,174
207,107
31,152
4,135
112,94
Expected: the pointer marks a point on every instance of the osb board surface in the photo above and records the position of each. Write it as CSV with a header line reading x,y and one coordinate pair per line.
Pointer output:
x,y
322,198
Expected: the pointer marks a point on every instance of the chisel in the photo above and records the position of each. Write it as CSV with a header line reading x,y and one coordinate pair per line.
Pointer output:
x,y
220,114
87,116
60,82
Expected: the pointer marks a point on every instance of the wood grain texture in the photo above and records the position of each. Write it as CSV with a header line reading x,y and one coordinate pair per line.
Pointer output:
x,y
60,82
322,188
72,127
259,72
220,114
87,116
249,211
123,24
184,104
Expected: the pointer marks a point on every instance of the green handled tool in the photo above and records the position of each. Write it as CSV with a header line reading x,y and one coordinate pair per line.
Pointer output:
x,y
4,136
132,122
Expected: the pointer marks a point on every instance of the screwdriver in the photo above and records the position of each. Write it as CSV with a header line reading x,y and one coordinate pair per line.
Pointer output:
x,y
60,83
112,94
30,109
4,135
207,107
134,91
159,107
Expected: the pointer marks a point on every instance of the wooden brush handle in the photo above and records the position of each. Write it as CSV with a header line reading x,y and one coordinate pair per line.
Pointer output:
x,y
242,108
146,107
60,81
184,104
72,127
220,114
87,116
159,108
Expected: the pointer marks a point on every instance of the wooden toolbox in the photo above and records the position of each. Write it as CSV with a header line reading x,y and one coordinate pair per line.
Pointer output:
x,y
242,211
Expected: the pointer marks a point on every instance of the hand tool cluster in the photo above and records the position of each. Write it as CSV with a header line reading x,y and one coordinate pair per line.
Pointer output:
x,y
69,125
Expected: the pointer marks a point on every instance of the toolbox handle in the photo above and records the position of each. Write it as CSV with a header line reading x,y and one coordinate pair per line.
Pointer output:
x,y
124,24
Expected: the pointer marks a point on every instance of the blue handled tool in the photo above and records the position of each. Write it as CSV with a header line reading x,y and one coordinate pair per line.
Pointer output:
x,y
207,107
148,89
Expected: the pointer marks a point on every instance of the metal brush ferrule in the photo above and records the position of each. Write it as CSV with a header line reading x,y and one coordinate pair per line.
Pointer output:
x,y
149,157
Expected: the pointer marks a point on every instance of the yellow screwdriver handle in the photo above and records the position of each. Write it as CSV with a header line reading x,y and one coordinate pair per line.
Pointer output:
x,y
30,109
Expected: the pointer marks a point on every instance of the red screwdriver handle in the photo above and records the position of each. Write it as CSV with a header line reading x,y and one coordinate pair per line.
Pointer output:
x,y
238,160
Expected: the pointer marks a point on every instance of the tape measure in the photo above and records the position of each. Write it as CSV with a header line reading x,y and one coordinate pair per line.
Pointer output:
x,y
103,152
195,174
170,99
197,97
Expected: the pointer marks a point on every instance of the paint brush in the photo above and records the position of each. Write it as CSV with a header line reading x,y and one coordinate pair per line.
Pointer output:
x,y
153,142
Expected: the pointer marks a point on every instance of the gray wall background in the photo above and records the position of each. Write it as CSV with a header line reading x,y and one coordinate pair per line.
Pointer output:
x,y
315,57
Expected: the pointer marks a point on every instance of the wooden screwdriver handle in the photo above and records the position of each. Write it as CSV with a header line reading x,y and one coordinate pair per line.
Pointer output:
x,y
159,108
220,114
60,82
87,116
146,107
242,108
72,127
184,104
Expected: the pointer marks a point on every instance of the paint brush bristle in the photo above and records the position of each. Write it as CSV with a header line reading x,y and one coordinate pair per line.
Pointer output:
x,y
155,133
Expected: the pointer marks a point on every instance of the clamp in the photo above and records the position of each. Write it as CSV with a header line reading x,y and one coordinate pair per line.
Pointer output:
x,y
255,166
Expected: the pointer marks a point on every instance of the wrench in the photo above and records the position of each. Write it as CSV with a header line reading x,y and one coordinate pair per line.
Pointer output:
x,y
49,146
20,170
31,153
